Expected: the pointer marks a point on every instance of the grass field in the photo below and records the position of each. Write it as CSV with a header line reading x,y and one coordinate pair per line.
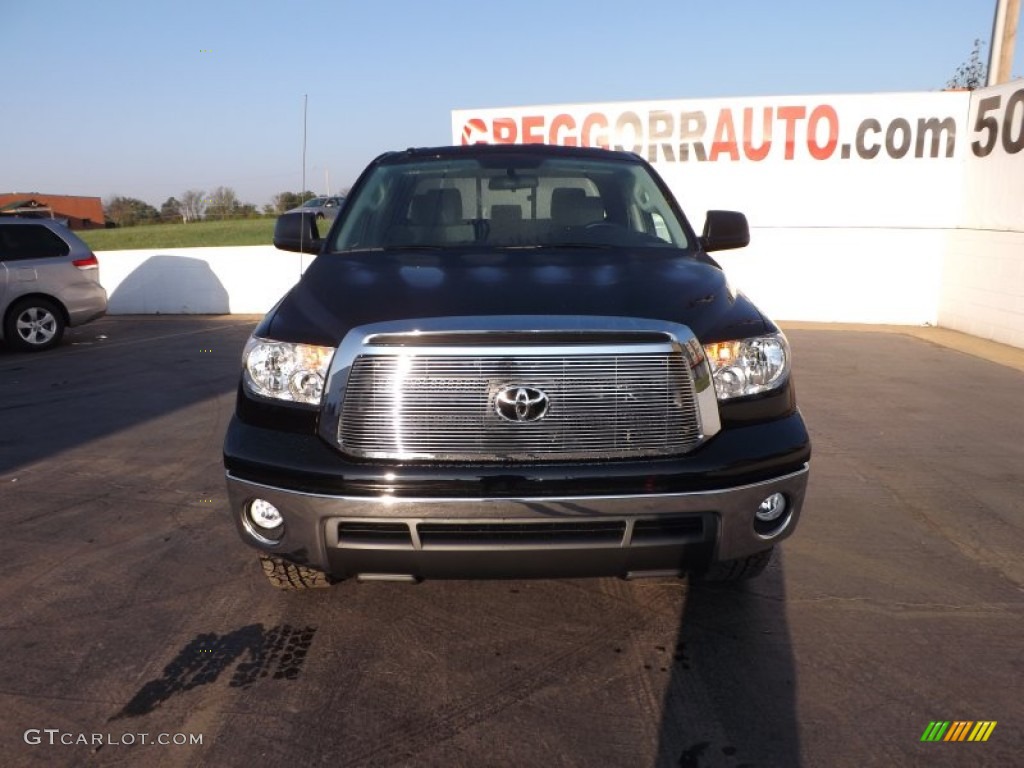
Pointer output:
x,y
196,234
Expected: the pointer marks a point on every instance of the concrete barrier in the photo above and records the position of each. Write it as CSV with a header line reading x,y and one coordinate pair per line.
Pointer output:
x,y
792,273
982,285
230,280
970,280
841,275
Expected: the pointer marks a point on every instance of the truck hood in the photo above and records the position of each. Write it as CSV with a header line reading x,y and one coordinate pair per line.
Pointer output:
x,y
339,292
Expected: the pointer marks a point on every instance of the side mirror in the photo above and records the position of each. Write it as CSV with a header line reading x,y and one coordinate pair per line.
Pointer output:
x,y
297,232
724,230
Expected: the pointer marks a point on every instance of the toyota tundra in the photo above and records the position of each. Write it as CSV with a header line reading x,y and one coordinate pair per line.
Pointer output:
x,y
509,362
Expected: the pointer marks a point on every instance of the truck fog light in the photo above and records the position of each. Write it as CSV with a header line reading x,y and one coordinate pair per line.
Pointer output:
x,y
264,514
772,508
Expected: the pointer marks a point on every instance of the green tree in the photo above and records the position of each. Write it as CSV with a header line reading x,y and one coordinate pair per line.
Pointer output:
x,y
170,210
284,201
129,211
221,203
193,205
973,73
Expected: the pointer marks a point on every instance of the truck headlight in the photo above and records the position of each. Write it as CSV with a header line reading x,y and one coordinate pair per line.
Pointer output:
x,y
285,371
748,366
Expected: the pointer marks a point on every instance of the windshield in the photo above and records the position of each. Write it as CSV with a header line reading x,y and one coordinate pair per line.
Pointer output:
x,y
514,201
314,202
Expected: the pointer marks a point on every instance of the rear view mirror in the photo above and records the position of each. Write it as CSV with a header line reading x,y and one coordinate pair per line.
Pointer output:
x,y
297,232
513,182
724,230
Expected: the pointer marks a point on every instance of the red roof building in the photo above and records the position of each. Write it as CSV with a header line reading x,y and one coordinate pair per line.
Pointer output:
x,y
80,212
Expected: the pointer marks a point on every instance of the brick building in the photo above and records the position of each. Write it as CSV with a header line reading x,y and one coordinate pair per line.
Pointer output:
x,y
80,212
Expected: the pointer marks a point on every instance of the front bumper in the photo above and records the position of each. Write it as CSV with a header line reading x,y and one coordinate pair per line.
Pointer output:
x,y
384,536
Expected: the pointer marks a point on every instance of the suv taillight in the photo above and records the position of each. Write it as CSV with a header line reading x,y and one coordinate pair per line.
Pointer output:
x,y
89,263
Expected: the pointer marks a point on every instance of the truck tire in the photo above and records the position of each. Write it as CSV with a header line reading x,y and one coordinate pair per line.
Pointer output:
x,y
285,575
741,569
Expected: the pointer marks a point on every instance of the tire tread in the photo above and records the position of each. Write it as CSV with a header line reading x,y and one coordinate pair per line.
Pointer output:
x,y
290,576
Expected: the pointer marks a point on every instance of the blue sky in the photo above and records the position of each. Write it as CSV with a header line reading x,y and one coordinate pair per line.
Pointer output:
x,y
152,97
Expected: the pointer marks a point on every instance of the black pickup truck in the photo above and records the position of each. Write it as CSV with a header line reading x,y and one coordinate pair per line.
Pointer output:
x,y
514,361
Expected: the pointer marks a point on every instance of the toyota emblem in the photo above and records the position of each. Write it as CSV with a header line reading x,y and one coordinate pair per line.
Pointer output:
x,y
521,404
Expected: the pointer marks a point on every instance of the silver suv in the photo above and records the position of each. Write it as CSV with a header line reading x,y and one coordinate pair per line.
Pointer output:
x,y
49,279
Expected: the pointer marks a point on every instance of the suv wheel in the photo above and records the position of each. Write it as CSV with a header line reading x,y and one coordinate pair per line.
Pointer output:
x,y
33,325
285,575
741,569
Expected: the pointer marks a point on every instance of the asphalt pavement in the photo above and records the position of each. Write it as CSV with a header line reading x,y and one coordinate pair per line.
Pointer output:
x,y
133,614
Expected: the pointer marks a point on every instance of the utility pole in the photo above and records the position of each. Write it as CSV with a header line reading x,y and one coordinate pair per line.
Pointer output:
x,y
1004,38
305,103
302,192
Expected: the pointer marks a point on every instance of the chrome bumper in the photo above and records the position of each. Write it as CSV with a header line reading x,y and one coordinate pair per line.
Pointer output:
x,y
315,526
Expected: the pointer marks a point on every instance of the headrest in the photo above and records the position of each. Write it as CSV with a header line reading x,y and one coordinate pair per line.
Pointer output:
x,y
570,207
506,214
437,207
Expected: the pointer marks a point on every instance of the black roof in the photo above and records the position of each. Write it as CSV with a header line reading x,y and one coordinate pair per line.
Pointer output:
x,y
533,150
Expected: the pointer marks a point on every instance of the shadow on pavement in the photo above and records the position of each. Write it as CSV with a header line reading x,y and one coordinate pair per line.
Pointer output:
x,y
731,699
111,376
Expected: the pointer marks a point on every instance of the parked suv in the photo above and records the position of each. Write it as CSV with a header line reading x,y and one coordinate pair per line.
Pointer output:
x,y
514,361
49,279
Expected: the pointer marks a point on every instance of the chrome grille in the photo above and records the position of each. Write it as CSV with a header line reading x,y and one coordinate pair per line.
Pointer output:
x,y
440,405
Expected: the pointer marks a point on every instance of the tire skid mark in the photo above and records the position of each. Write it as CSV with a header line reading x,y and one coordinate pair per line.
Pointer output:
x,y
254,651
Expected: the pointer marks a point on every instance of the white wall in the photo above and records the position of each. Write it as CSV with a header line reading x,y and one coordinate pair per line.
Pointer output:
x,y
240,280
872,208
836,275
791,273
982,289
